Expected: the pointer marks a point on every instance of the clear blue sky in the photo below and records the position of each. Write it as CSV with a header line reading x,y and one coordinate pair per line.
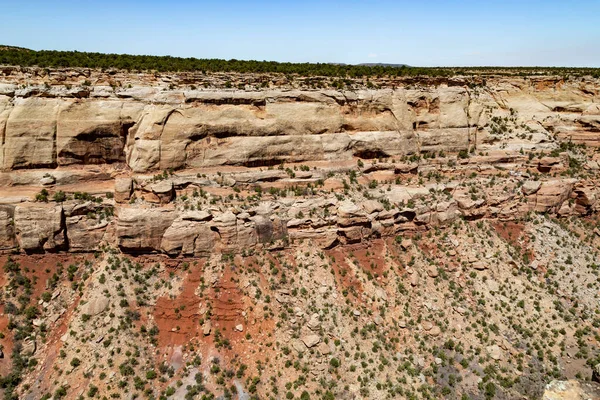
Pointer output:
x,y
423,33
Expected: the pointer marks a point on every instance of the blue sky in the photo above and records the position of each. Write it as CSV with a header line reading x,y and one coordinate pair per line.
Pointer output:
x,y
423,33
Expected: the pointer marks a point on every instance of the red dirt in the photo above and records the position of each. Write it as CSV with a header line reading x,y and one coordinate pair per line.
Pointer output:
x,y
514,233
178,328
38,268
509,230
373,263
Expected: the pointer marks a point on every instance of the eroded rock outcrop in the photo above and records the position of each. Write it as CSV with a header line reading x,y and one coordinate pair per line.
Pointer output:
x,y
380,162
154,129
40,226
140,230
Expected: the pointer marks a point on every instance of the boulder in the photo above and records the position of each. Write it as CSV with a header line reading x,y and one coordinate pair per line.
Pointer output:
x,y
206,327
311,340
432,271
435,331
479,265
495,352
530,187
314,322
123,189
95,305
414,280
323,348
29,347
164,191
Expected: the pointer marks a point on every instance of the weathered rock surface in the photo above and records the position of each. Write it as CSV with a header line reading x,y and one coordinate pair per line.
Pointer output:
x,y
311,340
142,229
411,218
7,230
40,227
96,305
56,138
571,390
154,130
123,189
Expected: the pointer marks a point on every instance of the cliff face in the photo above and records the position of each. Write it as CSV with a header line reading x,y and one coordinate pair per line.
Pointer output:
x,y
228,142
156,128
425,239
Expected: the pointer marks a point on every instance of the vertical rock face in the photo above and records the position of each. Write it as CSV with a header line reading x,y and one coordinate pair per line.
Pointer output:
x,y
514,127
40,227
211,128
226,227
86,225
188,238
5,107
85,234
155,130
93,135
268,230
140,230
7,227
30,135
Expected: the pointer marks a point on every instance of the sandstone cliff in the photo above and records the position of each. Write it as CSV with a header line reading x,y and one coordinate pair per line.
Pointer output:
x,y
426,238
419,141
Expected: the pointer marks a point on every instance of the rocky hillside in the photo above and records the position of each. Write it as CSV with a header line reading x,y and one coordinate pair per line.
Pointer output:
x,y
267,236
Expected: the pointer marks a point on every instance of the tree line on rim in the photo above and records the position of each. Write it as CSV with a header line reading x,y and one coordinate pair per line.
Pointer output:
x,y
63,59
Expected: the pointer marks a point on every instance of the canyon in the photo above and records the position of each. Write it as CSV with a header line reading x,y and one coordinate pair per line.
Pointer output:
x,y
119,140
249,215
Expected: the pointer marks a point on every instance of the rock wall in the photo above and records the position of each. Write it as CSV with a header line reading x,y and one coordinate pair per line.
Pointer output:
x,y
155,128
325,220
432,146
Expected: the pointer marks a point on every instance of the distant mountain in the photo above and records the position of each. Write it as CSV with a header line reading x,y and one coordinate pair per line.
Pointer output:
x,y
384,65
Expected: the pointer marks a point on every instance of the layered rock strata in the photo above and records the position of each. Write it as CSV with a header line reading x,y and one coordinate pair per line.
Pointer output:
x,y
185,172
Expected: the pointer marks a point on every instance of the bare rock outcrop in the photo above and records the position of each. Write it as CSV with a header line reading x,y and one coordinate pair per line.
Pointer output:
x,y
7,227
188,237
123,189
425,153
40,227
571,390
30,134
142,230
552,194
86,224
